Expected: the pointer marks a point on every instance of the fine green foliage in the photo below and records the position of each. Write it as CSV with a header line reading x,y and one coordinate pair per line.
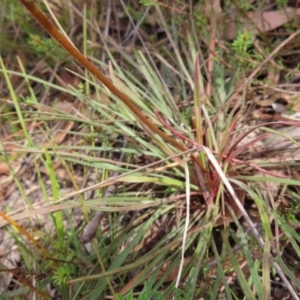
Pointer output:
x,y
242,43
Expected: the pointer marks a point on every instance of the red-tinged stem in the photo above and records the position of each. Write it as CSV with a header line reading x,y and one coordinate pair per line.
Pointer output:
x,y
199,171
63,41
229,156
175,132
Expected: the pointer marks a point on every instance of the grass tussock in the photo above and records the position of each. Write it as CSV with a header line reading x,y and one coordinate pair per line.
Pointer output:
x,y
171,175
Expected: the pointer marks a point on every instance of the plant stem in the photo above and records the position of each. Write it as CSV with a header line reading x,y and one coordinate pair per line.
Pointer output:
x,y
73,51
